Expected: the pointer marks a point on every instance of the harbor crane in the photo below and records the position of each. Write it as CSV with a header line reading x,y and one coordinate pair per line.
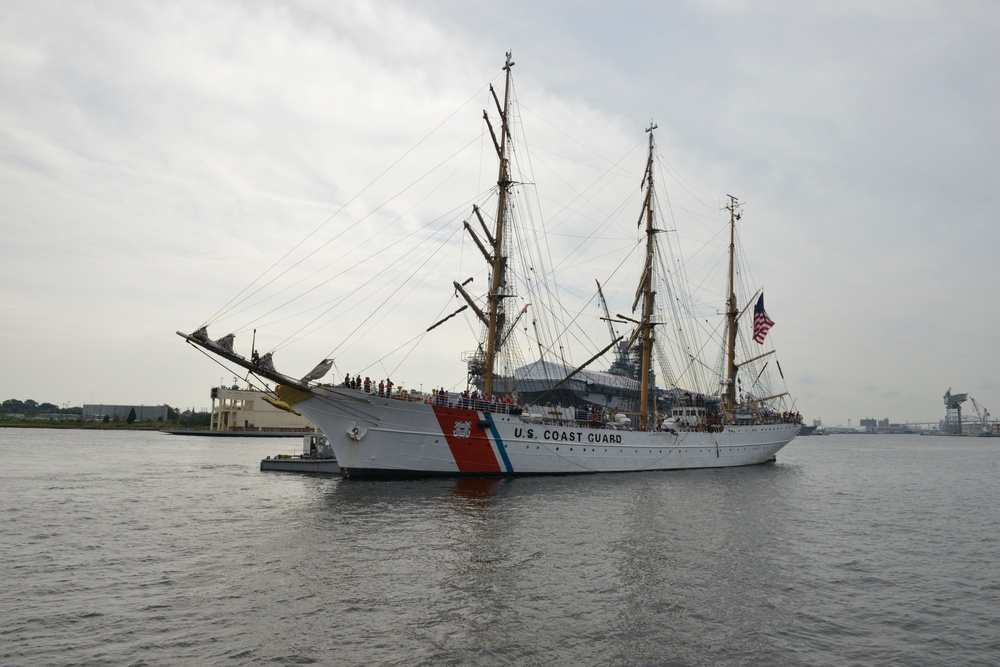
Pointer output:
x,y
953,411
982,413
620,366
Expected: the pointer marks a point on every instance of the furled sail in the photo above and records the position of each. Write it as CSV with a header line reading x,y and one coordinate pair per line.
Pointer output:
x,y
226,343
322,368
267,363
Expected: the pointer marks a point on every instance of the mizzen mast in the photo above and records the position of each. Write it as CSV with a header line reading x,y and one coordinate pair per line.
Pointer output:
x,y
732,312
498,283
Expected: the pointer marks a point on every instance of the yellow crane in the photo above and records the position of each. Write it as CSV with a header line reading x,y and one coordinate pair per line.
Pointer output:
x,y
983,414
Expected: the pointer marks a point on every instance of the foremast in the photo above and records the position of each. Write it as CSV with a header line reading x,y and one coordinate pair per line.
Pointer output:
x,y
499,259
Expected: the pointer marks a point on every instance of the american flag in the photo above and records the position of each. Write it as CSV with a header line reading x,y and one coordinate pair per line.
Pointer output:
x,y
761,322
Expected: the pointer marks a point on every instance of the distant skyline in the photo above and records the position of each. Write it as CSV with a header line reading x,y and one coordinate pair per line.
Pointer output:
x,y
155,156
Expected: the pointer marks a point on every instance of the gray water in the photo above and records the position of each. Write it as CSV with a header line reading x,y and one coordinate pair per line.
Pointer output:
x,y
151,549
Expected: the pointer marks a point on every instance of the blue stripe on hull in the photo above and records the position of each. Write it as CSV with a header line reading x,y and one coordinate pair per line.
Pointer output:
x,y
499,443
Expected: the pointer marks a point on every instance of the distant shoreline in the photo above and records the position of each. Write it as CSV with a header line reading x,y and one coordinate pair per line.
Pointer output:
x,y
164,428
86,427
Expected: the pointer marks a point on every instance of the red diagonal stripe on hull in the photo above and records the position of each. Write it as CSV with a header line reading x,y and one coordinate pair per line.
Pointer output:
x,y
473,454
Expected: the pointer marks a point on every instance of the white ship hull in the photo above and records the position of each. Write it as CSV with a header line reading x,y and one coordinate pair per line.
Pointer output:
x,y
374,437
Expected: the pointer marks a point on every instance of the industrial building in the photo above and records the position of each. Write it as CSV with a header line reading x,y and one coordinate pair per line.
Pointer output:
x,y
143,413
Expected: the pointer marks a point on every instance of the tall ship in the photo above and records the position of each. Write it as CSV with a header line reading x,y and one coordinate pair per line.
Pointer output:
x,y
657,407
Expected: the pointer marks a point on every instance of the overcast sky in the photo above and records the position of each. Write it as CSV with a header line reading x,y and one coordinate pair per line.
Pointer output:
x,y
155,156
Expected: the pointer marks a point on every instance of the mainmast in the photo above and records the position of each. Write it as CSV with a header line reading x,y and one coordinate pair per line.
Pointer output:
x,y
646,286
499,259
731,310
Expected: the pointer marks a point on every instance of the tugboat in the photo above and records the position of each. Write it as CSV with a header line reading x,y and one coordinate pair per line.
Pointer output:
x,y
316,457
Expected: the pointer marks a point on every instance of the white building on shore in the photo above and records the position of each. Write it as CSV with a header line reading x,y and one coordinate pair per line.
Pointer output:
x,y
247,410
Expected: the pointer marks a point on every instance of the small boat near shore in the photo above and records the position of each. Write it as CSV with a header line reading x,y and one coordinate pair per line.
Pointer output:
x,y
316,457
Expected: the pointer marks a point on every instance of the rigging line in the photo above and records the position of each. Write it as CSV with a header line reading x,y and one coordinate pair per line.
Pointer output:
x,y
345,205
586,197
347,270
684,312
218,361
550,284
229,307
666,368
548,289
418,337
562,132
370,286
625,258
413,250
351,268
525,274
617,169
381,280
330,304
682,262
572,160
416,340
681,309
524,166
686,185
583,338
718,230
398,296
692,353
578,213
525,249
686,324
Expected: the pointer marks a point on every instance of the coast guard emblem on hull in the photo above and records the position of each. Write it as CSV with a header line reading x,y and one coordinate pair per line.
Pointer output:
x,y
462,429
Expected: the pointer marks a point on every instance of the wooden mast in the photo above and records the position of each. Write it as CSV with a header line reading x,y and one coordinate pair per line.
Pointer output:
x,y
499,259
732,312
647,291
